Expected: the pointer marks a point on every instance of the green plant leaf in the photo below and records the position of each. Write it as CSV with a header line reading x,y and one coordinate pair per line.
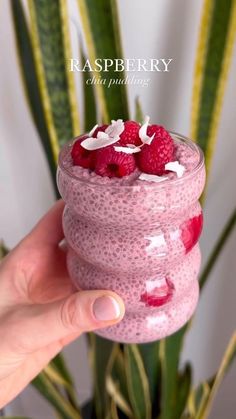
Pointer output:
x,y
54,375
101,30
214,53
112,411
116,384
201,398
137,383
66,49
170,349
15,417
3,250
183,389
217,249
151,361
50,46
100,352
196,400
44,385
90,113
228,358
87,410
59,375
30,82
139,117
59,363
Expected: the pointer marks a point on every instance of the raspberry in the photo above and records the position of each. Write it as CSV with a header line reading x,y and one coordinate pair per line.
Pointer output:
x,y
131,134
159,295
153,157
98,129
190,231
81,156
113,163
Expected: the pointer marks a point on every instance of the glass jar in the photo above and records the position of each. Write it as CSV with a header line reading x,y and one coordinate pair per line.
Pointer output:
x,y
139,240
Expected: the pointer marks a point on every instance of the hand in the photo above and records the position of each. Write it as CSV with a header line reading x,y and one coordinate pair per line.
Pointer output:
x,y
40,311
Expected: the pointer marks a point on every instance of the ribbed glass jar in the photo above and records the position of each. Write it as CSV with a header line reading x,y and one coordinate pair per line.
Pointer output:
x,y
139,240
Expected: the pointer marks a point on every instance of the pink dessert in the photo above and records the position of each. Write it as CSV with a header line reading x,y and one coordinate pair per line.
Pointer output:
x,y
136,234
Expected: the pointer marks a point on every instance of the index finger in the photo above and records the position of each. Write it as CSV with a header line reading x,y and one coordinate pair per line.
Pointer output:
x,y
49,227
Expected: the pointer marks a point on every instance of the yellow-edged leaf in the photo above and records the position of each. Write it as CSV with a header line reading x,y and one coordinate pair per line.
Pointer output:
x,y
51,47
44,385
115,393
25,56
3,250
228,53
213,58
137,383
228,358
101,31
69,74
42,81
99,353
139,117
116,384
199,64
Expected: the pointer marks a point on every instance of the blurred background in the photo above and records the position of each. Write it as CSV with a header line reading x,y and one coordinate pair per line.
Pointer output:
x,y
165,29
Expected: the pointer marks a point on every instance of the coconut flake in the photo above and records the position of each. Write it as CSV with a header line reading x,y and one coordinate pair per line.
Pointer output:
x,y
115,129
152,178
95,143
175,166
93,130
102,135
109,137
127,150
146,139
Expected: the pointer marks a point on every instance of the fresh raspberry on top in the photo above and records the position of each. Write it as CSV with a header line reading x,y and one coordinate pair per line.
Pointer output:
x,y
98,129
190,231
113,163
153,157
130,135
81,156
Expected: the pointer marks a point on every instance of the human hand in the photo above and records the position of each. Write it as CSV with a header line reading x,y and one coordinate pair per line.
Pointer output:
x,y
40,311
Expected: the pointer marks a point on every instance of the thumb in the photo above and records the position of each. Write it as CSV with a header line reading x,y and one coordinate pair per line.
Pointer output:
x,y
36,326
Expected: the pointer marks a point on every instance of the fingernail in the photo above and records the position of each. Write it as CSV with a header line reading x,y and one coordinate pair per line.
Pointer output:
x,y
106,308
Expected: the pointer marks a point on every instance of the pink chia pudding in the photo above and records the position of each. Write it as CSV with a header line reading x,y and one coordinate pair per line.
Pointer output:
x,y
138,238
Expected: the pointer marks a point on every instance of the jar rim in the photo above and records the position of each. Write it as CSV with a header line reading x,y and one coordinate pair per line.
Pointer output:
x,y
146,184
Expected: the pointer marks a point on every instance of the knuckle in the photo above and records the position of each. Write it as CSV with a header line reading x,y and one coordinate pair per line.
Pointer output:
x,y
69,314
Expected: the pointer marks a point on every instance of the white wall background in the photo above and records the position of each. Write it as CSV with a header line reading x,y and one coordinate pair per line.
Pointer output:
x,y
150,28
